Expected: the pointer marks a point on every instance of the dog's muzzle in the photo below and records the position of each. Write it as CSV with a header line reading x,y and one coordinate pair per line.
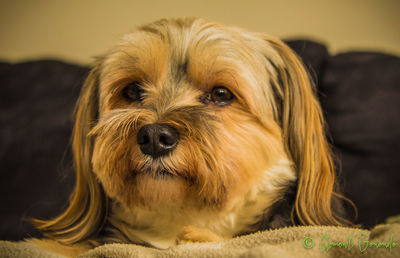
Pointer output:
x,y
157,139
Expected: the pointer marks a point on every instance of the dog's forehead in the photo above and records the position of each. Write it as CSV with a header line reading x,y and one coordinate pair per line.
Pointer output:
x,y
184,36
171,46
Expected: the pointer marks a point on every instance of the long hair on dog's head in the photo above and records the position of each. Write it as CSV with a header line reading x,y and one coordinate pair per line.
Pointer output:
x,y
288,97
303,129
88,204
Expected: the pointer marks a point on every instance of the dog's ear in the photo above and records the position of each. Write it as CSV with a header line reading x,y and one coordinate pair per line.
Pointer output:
x,y
88,205
300,116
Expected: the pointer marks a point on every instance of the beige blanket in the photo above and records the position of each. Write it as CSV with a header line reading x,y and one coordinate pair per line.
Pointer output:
x,y
311,241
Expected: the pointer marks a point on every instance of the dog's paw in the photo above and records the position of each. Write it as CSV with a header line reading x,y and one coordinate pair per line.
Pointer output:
x,y
191,234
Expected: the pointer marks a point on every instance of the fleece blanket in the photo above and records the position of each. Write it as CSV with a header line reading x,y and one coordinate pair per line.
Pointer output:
x,y
304,241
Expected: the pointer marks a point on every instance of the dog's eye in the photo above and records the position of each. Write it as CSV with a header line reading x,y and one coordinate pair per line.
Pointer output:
x,y
132,91
221,96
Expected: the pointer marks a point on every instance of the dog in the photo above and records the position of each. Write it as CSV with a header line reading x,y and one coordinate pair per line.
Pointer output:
x,y
192,131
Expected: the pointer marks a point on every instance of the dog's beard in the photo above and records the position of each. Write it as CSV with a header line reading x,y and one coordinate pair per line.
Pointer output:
x,y
216,159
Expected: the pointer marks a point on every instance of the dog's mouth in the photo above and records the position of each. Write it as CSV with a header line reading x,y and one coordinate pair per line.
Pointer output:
x,y
161,173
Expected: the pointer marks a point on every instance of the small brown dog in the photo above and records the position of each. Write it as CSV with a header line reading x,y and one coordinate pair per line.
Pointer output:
x,y
189,131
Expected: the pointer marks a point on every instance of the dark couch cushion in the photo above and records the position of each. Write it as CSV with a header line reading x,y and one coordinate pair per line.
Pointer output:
x,y
36,104
313,55
360,95
361,100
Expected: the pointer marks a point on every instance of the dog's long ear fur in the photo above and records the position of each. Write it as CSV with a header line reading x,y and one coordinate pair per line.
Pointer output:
x,y
302,122
88,204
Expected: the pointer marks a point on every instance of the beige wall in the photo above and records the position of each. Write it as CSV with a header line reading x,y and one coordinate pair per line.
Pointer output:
x,y
77,30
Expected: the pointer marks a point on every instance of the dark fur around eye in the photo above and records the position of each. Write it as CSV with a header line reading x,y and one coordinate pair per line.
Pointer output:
x,y
132,92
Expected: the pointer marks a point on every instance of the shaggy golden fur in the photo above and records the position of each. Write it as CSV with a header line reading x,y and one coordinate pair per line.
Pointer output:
x,y
234,160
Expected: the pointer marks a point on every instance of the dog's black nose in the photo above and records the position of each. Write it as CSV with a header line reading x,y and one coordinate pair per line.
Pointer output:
x,y
157,139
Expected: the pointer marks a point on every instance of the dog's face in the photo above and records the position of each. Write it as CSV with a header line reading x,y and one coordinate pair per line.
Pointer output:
x,y
185,116
186,113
